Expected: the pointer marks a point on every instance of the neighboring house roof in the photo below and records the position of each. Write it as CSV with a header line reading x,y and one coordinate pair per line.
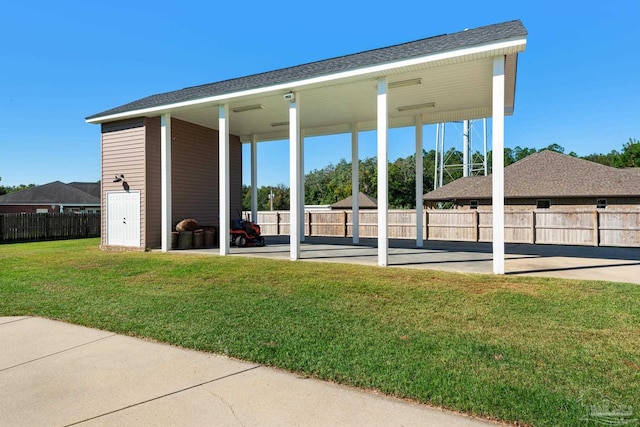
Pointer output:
x,y
418,48
55,192
451,190
547,174
92,188
364,202
635,171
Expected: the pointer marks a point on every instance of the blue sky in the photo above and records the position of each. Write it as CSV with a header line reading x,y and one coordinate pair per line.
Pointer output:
x,y
577,85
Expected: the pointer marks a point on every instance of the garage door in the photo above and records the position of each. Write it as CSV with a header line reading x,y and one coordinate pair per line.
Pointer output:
x,y
123,218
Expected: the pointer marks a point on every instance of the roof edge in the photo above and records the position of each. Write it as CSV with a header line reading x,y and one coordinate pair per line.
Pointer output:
x,y
513,44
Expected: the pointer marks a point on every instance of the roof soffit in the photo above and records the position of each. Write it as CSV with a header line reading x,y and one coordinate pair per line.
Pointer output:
x,y
460,89
335,95
440,59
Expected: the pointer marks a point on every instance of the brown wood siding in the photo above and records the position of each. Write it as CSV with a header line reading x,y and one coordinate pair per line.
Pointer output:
x,y
123,152
235,175
133,148
194,173
195,176
153,173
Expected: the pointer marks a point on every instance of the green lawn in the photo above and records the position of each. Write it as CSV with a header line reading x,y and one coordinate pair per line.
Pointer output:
x,y
511,348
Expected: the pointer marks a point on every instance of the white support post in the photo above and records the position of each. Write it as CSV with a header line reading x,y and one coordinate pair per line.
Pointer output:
x,y
383,176
419,182
294,177
484,146
225,200
355,185
165,168
497,147
436,163
466,163
301,187
441,177
254,179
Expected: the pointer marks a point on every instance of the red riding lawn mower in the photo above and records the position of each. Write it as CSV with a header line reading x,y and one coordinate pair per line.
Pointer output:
x,y
245,233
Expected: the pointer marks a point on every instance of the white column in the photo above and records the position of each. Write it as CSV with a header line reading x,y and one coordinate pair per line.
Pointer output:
x,y
294,177
466,167
355,184
436,165
441,177
254,179
419,182
301,187
225,201
383,176
497,147
165,168
484,146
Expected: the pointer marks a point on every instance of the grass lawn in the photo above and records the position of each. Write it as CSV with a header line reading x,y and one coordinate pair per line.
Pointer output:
x,y
517,349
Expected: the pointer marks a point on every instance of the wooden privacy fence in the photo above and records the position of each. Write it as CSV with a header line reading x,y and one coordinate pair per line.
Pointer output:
x,y
16,227
588,228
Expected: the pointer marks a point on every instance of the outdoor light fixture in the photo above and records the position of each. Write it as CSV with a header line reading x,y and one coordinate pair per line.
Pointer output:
x,y
417,106
291,97
120,178
280,124
247,108
403,83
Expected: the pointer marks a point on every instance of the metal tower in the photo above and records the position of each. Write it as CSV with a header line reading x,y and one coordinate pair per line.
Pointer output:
x,y
473,164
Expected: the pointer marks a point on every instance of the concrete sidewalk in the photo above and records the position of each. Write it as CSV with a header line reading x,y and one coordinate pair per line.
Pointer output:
x,y
56,374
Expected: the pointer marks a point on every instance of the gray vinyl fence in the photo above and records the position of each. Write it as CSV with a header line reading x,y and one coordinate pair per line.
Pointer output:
x,y
605,227
16,227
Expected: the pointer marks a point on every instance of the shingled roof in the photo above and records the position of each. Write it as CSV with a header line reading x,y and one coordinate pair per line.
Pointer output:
x,y
92,188
418,48
53,193
547,174
364,202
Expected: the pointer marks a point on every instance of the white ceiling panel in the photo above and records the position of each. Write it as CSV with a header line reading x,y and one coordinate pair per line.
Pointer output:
x,y
460,88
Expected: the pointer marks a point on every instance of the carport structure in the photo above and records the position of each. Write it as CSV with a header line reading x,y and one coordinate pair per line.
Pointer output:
x,y
466,75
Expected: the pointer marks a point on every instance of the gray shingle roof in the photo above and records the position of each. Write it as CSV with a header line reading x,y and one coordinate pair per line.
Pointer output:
x,y
364,202
92,188
445,42
460,186
547,174
52,193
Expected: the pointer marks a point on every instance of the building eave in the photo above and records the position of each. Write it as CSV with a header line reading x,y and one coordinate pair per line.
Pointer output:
x,y
505,47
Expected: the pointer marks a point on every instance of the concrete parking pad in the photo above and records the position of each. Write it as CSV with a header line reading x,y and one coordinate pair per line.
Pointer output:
x,y
59,374
570,262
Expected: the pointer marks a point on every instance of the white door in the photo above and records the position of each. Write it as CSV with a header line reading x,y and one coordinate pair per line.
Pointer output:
x,y
123,218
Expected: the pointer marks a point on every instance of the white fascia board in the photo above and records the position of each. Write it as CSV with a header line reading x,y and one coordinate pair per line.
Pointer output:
x,y
504,47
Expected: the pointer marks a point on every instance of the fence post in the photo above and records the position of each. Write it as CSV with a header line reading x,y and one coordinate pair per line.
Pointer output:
x,y
308,221
533,227
476,222
426,225
596,228
47,225
344,221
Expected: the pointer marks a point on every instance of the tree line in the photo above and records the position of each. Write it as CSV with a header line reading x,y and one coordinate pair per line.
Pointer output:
x,y
333,182
5,189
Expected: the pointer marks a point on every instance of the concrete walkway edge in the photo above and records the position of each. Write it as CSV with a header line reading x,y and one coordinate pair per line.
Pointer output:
x,y
57,374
